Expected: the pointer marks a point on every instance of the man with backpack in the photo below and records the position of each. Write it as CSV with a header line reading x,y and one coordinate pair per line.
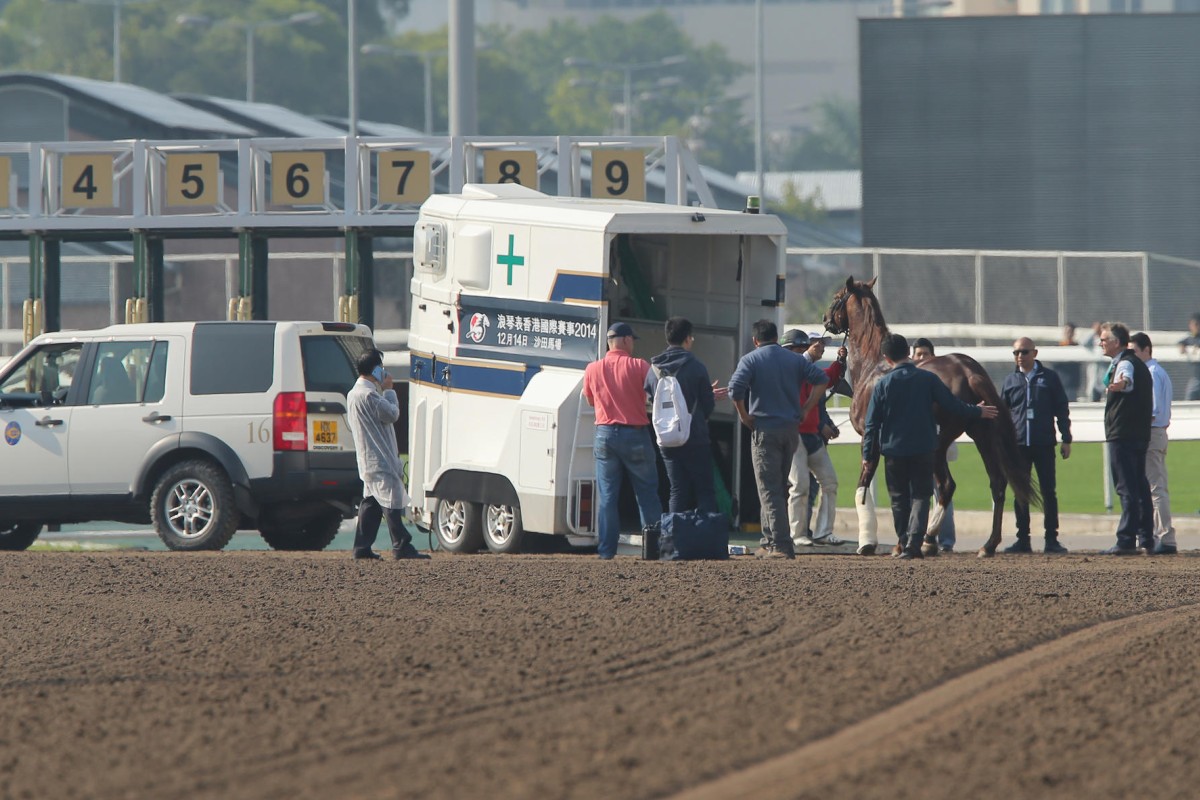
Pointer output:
x,y
683,402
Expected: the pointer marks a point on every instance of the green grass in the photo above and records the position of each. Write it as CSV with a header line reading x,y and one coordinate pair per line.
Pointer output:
x,y
1080,479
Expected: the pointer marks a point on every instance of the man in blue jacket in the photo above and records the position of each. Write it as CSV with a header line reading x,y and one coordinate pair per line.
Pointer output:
x,y
689,466
765,389
1036,398
900,424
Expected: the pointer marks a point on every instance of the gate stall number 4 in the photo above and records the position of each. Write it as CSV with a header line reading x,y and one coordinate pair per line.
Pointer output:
x,y
87,181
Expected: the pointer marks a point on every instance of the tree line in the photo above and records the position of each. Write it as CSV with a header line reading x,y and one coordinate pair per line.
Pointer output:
x,y
525,84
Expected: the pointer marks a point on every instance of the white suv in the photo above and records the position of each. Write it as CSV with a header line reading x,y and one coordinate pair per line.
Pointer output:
x,y
203,428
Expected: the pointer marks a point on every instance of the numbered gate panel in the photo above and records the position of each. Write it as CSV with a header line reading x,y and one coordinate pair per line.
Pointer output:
x,y
619,174
83,179
403,177
511,166
298,180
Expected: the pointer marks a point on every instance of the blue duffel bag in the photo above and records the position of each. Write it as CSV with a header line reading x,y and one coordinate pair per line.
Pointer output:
x,y
691,535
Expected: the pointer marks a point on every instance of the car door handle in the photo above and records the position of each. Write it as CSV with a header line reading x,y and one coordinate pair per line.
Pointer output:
x,y
46,422
155,417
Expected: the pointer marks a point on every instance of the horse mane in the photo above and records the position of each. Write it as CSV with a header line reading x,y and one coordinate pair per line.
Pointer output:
x,y
868,338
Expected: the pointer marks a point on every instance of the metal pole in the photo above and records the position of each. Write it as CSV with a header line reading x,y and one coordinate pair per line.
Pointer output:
x,y
249,63
628,101
116,41
463,121
427,58
759,102
352,63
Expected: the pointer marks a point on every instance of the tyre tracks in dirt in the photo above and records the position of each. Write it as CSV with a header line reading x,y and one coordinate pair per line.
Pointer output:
x,y
811,770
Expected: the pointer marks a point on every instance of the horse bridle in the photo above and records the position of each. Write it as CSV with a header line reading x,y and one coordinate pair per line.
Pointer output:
x,y
833,309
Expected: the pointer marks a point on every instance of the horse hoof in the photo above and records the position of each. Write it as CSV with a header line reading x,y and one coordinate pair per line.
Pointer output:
x,y
928,549
985,553
897,550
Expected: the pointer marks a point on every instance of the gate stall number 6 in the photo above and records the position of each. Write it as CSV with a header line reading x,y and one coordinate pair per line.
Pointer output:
x,y
193,179
298,179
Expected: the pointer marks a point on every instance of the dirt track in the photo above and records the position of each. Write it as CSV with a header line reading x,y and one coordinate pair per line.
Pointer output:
x,y
257,674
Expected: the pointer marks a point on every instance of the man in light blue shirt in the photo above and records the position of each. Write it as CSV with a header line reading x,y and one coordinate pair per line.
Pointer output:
x,y
1156,454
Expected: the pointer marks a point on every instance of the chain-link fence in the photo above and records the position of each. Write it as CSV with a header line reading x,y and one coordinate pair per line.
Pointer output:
x,y
1046,288
967,299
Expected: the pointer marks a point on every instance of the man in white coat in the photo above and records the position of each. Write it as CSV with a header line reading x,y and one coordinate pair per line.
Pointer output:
x,y
373,409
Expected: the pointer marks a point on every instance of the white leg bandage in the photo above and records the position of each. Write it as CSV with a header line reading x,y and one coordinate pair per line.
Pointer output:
x,y
864,503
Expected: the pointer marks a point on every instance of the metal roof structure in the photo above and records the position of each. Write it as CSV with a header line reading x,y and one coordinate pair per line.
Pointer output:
x,y
144,105
264,119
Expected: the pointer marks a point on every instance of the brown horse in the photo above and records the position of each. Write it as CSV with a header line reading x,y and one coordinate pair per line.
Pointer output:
x,y
855,311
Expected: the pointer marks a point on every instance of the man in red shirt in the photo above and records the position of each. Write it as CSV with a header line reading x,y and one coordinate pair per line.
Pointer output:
x,y
812,455
616,387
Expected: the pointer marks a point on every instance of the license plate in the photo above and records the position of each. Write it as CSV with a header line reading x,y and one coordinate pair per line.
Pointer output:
x,y
325,432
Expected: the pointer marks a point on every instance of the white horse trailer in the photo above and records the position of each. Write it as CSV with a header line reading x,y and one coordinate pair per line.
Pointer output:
x,y
513,293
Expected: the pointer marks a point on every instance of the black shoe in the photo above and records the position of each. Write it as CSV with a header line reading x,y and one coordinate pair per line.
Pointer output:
x,y
1020,546
1117,550
410,552
910,554
366,555
1164,550
1054,548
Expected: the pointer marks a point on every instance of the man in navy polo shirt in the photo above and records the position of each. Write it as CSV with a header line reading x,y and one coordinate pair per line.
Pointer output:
x,y
1036,398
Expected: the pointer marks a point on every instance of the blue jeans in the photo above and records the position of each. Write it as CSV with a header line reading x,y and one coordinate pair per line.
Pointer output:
x,y
621,450
690,470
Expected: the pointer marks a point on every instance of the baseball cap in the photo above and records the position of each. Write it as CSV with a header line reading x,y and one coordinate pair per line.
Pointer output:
x,y
817,337
794,338
618,329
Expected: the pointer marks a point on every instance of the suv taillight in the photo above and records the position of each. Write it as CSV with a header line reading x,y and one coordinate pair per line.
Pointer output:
x,y
291,421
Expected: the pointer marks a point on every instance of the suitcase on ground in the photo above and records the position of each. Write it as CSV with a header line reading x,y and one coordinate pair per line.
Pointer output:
x,y
693,535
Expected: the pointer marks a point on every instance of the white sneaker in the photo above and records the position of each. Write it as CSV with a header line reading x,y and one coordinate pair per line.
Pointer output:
x,y
828,539
803,541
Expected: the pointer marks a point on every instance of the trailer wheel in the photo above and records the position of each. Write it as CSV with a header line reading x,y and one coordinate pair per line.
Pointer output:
x,y
502,528
458,525
18,535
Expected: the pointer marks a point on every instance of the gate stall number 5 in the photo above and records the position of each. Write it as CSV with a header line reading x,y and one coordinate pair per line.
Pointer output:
x,y
193,179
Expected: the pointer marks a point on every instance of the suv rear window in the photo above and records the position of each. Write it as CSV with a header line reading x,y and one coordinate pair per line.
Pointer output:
x,y
329,361
233,357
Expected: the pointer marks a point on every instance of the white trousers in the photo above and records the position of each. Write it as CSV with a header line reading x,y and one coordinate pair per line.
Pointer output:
x,y
1156,473
820,465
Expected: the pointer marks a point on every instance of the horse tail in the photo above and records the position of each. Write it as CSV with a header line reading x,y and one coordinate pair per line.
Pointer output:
x,y
1005,440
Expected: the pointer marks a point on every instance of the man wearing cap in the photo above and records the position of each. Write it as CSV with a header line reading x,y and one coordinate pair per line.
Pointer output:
x,y
616,387
812,456
765,389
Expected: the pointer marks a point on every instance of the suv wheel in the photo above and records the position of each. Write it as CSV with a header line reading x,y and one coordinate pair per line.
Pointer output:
x,y
313,533
193,508
502,529
18,535
458,525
